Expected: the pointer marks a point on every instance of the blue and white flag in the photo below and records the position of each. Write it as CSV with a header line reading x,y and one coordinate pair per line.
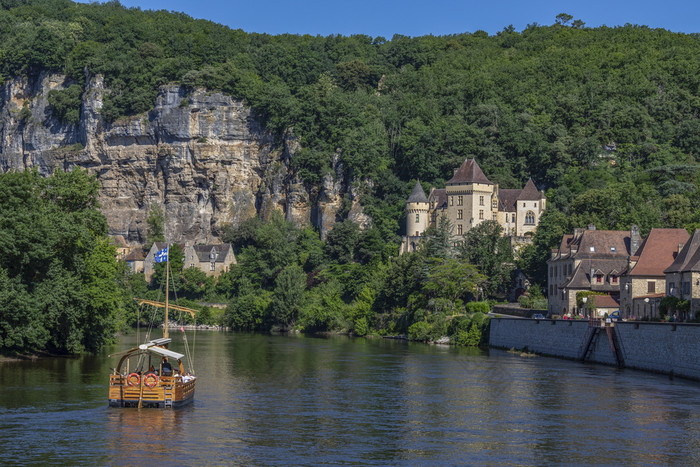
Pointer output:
x,y
162,255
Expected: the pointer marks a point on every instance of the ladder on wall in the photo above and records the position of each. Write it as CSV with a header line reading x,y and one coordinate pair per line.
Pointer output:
x,y
588,343
615,346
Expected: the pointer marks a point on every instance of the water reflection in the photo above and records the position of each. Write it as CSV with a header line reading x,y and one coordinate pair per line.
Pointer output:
x,y
268,400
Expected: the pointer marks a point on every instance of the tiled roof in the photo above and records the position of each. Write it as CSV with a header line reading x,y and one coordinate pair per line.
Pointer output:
x,y
596,244
439,195
508,198
204,252
417,195
530,192
689,257
136,255
119,241
581,277
605,301
658,251
469,172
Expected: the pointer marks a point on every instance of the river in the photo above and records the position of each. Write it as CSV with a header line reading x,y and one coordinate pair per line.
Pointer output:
x,y
272,400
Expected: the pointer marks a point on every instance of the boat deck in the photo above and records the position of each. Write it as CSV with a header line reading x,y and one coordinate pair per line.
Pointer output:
x,y
168,392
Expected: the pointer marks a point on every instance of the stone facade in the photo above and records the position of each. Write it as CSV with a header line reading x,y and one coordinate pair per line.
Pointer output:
x,y
683,275
623,265
210,259
644,281
589,260
470,198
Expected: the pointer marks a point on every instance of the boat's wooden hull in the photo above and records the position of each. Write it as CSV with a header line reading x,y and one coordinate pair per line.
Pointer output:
x,y
169,392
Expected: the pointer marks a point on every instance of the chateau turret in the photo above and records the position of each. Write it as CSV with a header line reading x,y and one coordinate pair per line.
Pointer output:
x,y
416,218
417,212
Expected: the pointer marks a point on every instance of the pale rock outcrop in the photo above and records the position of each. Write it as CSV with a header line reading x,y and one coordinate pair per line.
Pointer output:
x,y
202,157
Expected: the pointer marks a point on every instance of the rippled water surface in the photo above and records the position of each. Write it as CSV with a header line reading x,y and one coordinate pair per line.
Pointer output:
x,y
272,400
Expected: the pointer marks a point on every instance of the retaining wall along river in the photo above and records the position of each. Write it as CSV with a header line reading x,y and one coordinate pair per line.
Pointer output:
x,y
658,347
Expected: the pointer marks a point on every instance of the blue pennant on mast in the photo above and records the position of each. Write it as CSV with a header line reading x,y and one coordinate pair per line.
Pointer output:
x,y
162,255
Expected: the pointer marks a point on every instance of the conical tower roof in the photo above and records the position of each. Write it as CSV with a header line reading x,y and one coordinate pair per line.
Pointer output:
x,y
530,192
469,172
417,195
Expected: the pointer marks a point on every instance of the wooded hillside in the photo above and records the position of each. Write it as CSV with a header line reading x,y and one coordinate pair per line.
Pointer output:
x,y
605,119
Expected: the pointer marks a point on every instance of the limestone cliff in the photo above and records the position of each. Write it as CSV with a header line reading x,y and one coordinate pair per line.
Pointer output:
x,y
200,156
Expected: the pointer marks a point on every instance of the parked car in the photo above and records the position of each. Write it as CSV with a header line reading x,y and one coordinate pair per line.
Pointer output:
x,y
538,316
615,316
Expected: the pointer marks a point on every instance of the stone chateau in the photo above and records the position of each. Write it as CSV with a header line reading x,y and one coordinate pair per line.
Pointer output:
x,y
468,199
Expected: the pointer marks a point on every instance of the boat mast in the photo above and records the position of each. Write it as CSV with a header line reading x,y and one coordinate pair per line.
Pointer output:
x,y
167,292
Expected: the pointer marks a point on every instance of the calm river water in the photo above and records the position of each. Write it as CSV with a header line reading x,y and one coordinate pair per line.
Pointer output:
x,y
272,400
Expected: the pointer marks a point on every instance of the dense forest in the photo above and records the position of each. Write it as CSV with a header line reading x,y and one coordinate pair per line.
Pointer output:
x,y
606,120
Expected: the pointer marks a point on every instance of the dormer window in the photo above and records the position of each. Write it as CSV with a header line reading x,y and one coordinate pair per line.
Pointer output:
x,y
599,278
592,249
613,249
613,280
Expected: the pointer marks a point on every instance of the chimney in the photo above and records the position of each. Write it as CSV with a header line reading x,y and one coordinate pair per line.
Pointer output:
x,y
591,226
578,232
634,239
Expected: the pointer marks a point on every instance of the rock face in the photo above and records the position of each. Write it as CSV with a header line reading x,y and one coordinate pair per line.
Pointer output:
x,y
202,157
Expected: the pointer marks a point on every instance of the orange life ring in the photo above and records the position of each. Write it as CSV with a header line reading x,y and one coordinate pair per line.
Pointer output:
x,y
146,378
132,383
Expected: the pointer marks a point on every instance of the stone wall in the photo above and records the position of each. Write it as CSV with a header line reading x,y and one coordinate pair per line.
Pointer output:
x,y
658,347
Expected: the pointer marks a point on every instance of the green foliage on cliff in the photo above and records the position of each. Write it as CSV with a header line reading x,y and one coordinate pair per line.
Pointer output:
x,y
65,104
59,281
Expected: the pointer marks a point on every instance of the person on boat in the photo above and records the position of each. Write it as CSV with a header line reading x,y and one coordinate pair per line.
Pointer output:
x,y
167,369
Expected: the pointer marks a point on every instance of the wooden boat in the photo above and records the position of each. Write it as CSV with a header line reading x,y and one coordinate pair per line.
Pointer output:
x,y
145,376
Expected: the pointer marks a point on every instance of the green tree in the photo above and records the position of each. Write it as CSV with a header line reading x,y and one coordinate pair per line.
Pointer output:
x,y
288,295
485,247
451,280
59,280
155,231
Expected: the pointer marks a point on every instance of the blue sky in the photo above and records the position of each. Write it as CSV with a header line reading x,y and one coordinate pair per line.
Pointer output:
x,y
417,18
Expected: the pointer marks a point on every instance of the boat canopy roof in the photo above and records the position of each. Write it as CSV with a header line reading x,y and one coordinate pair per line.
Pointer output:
x,y
154,348
162,352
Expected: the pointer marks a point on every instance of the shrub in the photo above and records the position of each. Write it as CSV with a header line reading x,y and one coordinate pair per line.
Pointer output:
x,y
360,327
478,307
65,104
419,331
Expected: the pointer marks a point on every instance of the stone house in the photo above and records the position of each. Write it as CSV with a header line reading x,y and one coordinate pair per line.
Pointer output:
x,y
210,259
123,248
135,261
468,199
602,305
683,275
590,259
644,277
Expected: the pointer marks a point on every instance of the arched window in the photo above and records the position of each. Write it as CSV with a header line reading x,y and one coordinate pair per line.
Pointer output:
x,y
529,218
